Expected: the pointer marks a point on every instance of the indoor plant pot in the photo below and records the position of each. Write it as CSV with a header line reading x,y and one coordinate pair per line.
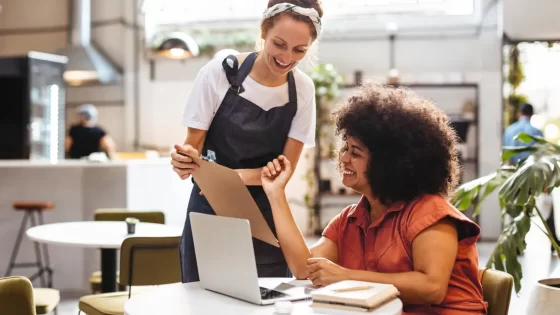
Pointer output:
x,y
545,297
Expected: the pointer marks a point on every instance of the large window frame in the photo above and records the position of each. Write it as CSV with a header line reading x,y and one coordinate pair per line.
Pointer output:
x,y
173,12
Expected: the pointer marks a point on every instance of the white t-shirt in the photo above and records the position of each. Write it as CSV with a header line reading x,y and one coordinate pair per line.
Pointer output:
x,y
211,85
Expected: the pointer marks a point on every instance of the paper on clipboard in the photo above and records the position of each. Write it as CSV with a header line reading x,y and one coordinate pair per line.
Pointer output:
x,y
229,197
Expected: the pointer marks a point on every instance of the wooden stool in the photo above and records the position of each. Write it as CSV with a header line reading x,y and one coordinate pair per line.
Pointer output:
x,y
32,208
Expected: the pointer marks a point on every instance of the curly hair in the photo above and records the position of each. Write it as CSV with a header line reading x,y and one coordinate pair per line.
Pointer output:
x,y
315,4
411,143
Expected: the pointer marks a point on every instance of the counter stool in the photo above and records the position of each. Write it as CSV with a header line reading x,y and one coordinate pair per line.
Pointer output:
x,y
31,210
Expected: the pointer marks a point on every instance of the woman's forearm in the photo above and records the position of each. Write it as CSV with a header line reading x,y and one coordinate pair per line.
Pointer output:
x,y
251,176
290,238
414,287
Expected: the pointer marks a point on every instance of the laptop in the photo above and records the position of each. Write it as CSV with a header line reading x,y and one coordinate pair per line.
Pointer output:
x,y
226,261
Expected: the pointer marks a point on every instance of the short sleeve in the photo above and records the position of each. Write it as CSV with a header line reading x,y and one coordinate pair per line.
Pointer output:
x,y
102,133
303,124
203,99
431,209
335,226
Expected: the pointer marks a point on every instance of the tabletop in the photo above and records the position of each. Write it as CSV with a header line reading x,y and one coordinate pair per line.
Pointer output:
x,y
96,234
191,298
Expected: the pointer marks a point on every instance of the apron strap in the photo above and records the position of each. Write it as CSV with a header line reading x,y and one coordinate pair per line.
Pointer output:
x,y
292,88
243,72
231,66
236,75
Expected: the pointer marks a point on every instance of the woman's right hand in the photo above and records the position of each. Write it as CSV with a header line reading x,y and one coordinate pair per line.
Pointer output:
x,y
276,174
182,163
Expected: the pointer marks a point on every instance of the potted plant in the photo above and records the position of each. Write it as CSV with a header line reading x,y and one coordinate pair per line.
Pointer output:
x,y
518,186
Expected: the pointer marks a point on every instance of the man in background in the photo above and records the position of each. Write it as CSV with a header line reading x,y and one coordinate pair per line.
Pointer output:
x,y
86,137
523,124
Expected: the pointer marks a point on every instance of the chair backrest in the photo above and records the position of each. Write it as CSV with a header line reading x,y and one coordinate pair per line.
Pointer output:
x,y
16,296
122,214
496,287
149,261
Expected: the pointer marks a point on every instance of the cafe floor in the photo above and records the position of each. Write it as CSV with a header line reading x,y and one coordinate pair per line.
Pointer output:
x,y
541,264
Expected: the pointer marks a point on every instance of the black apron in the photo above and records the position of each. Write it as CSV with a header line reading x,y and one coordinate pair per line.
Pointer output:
x,y
243,136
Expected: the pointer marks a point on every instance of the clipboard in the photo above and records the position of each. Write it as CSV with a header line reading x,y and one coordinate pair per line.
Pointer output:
x,y
229,197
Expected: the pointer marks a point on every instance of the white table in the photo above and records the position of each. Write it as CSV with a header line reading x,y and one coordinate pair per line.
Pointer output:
x,y
105,235
191,299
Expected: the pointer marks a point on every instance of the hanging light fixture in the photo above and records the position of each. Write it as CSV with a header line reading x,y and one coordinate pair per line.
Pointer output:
x,y
177,45
393,75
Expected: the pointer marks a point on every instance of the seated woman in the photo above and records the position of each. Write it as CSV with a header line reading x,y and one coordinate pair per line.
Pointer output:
x,y
398,151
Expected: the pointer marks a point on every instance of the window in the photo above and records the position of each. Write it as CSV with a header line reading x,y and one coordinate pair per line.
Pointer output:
x,y
163,12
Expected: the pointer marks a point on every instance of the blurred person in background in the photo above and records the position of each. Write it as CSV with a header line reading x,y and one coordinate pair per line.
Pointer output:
x,y
86,137
523,124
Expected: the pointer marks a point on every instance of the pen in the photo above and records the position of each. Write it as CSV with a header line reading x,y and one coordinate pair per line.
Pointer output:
x,y
353,289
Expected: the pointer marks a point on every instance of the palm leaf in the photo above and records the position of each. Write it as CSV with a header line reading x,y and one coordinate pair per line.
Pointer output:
x,y
518,186
473,193
539,173
527,138
509,152
510,242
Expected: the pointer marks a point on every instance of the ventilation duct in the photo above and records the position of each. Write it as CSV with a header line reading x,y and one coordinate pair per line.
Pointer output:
x,y
86,65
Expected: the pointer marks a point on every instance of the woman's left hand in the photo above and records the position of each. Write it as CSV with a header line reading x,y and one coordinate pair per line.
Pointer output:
x,y
323,272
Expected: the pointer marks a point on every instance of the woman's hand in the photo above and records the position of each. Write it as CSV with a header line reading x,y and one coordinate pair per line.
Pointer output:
x,y
323,272
183,165
276,174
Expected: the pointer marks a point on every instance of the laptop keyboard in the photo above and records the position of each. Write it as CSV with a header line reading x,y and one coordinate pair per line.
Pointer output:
x,y
268,294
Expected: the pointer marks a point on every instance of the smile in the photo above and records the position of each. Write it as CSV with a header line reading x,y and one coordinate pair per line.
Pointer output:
x,y
348,172
280,64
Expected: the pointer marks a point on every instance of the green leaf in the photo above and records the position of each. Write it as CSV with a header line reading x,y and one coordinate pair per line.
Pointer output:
x,y
539,172
473,193
527,138
509,152
511,241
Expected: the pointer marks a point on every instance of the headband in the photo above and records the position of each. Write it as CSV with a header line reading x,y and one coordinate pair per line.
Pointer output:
x,y
288,7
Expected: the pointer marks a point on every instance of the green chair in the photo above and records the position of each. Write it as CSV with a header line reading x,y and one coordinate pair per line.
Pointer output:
x,y
16,296
110,214
496,287
144,261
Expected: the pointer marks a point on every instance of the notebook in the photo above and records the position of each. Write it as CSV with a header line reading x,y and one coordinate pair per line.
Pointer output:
x,y
350,295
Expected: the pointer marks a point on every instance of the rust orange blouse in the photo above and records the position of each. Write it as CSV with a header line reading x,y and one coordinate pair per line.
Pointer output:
x,y
387,248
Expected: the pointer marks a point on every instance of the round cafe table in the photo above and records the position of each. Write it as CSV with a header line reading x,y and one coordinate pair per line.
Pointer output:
x,y
191,299
105,235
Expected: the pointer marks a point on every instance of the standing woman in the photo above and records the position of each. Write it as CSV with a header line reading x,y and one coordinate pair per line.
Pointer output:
x,y
248,109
